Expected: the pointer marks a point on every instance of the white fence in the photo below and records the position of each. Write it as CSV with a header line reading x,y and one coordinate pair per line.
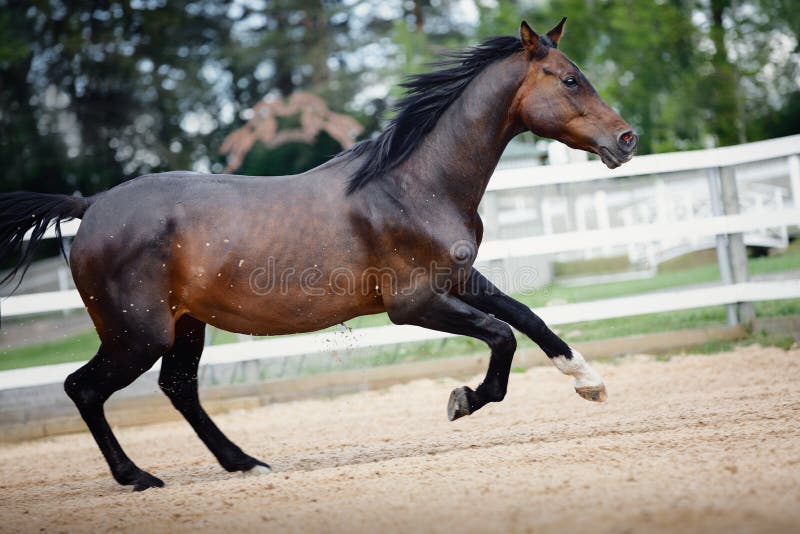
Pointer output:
x,y
719,226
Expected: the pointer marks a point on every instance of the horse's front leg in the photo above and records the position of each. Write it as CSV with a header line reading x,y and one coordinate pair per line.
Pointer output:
x,y
447,313
483,295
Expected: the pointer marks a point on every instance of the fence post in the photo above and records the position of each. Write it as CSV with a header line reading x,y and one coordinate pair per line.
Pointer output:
x,y
63,283
794,178
723,252
731,250
736,246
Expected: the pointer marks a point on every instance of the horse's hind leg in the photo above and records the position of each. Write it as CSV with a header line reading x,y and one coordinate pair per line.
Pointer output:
x,y
89,387
178,380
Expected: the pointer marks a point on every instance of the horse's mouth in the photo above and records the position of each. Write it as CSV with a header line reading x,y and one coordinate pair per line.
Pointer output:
x,y
612,160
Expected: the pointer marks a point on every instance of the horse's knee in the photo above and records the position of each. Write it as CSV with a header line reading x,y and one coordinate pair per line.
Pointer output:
x,y
73,388
503,340
82,393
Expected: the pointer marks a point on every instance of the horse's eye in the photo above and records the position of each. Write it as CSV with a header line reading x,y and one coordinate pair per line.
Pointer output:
x,y
571,81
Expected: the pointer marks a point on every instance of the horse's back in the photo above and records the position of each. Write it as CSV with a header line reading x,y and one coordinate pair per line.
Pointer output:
x,y
153,200
203,236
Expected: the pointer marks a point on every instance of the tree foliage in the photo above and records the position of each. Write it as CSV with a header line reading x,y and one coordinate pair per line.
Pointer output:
x,y
92,93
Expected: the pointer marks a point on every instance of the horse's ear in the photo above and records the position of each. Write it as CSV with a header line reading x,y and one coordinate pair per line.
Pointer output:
x,y
555,34
530,39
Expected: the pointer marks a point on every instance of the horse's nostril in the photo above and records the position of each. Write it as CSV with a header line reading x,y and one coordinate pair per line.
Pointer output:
x,y
627,140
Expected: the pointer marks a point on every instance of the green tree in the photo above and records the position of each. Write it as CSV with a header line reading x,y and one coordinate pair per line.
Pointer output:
x,y
762,44
92,93
96,92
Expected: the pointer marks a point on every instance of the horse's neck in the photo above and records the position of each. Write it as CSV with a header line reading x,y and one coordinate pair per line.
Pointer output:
x,y
457,158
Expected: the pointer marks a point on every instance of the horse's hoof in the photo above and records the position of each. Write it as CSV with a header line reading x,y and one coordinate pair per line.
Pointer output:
x,y
593,393
458,405
257,470
146,481
244,464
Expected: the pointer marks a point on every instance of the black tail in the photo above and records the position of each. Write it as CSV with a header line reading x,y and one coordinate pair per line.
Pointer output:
x,y
20,212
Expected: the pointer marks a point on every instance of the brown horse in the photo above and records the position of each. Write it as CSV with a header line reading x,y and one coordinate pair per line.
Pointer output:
x,y
390,225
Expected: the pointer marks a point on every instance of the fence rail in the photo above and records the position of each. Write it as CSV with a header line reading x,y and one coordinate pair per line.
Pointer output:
x,y
690,160
723,224
362,338
566,241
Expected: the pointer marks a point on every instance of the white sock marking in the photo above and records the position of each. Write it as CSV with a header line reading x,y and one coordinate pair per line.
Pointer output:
x,y
578,368
257,470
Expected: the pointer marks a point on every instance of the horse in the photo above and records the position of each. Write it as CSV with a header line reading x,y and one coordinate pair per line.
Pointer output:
x,y
390,225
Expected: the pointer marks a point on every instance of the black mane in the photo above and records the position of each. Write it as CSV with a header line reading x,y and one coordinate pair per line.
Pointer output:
x,y
427,97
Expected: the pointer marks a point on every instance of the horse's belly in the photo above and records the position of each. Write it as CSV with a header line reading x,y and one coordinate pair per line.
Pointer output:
x,y
285,314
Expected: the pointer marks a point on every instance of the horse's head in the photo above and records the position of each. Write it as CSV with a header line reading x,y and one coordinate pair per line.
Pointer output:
x,y
556,100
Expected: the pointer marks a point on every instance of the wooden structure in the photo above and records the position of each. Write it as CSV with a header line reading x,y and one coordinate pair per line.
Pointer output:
x,y
315,117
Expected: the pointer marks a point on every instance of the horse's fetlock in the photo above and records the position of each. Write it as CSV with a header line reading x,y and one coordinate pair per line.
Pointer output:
x,y
491,393
126,472
497,396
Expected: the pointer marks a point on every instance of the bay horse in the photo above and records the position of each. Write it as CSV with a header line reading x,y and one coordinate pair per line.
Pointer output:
x,y
390,225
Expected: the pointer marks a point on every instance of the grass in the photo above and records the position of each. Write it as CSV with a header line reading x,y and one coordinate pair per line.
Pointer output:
x,y
70,349
611,264
785,261
80,347
762,338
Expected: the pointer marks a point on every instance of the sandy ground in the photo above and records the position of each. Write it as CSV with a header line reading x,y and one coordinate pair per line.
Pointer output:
x,y
695,444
